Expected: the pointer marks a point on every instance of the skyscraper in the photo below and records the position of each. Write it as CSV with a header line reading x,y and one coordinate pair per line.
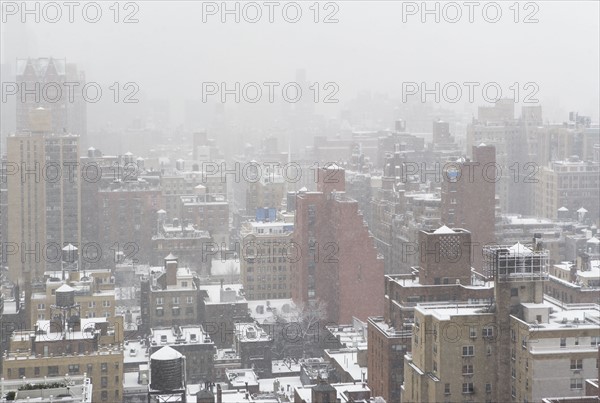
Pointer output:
x,y
337,263
468,198
44,209
41,83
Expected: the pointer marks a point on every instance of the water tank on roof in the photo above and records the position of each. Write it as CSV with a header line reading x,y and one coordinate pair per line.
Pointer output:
x,y
65,296
167,369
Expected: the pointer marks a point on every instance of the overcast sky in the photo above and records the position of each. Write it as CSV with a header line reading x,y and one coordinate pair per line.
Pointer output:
x,y
171,51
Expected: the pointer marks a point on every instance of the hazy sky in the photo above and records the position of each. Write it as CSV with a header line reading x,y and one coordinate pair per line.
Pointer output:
x,y
171,51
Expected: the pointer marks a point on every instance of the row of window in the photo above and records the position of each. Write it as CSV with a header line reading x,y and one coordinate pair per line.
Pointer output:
x,y
250,269
267,287
175,311
72,369
468,388
91,304
175,300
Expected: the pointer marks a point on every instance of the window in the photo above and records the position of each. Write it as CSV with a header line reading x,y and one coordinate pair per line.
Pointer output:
x,y
104,367
563,342
21,372
467,387
73,369
576,383
159,301
189,310
90,368
189,300
36,371
488,388
175,300
488,350
41,306
514,292
513,372
104,395
52,370
160,311
176,311
472,332
184,284
106,303
91,304
447,389
488,331
468,351
577,364
595,340
434,366
104,382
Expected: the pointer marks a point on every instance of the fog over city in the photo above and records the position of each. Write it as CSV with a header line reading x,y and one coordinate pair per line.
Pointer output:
x,y
279,201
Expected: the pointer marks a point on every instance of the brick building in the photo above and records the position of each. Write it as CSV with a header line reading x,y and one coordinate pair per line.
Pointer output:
x,y
468,198
444,274
337,259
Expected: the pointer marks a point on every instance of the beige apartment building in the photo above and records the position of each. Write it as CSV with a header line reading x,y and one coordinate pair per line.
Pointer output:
x,y
521,348
266,259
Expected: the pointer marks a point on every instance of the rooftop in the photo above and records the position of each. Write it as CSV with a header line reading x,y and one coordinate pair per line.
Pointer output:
x,y
347,359
250,332
192,334
239,377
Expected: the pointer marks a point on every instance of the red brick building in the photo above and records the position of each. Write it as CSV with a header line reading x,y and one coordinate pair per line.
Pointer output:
x,y
337,261
469,198
127,220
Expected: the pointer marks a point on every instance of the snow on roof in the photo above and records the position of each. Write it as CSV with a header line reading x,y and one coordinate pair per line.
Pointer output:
x,y
593,240
563,209
582,210
520,249
166,353
444,230
65,288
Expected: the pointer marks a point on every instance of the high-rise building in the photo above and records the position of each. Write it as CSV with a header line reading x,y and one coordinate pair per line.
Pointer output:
x,y
497,126
468,198
41,83
337,263
44,212
569,184
443,274
521,348
265,264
